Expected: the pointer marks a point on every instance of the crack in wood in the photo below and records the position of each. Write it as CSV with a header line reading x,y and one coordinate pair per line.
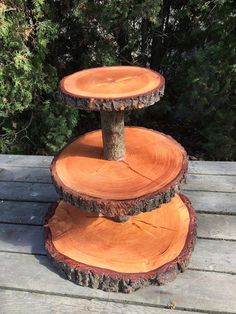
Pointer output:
x,y
149,224
143,230
115,81
135,171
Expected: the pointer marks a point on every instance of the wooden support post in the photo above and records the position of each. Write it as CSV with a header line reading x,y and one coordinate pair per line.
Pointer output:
x,y
112,123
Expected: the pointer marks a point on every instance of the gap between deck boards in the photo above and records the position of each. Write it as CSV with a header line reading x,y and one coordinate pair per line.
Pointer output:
x,y
82,305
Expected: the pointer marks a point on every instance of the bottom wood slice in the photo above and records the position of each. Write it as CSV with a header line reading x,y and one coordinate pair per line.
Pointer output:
x,y
96,252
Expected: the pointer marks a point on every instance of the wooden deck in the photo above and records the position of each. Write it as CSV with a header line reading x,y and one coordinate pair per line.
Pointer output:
x,y
29,283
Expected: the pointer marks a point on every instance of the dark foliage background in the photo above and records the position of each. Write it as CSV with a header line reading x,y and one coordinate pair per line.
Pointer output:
x,y
193,43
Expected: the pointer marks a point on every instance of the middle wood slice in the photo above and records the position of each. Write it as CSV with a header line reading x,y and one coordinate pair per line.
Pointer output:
x,y
150,174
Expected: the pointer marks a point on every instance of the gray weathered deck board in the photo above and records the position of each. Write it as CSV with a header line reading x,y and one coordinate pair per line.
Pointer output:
x,y
212,167
26,191
207,291
219,183
212,183
37,192
195,167
209,226
208,255
25,174
33,212
21,302
208,286
210,202
25,161
217,226
23,212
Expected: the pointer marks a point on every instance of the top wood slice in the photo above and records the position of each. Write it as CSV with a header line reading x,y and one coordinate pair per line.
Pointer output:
x,y
112,88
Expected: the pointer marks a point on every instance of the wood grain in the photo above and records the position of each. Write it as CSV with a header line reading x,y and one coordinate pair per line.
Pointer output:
x,y
111,82
147,241
218,255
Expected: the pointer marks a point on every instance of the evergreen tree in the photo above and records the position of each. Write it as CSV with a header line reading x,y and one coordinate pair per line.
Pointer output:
x,y
193,43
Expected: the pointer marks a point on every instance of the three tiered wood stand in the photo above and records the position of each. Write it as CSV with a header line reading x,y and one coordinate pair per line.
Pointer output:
x,y
120,224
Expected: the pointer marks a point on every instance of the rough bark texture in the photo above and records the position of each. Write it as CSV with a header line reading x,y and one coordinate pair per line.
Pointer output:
x,y
120,208
111,281
96,104
112,124
117,209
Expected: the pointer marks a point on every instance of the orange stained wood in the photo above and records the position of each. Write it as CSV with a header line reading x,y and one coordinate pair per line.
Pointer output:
x,y
141,244
112,82
152,161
